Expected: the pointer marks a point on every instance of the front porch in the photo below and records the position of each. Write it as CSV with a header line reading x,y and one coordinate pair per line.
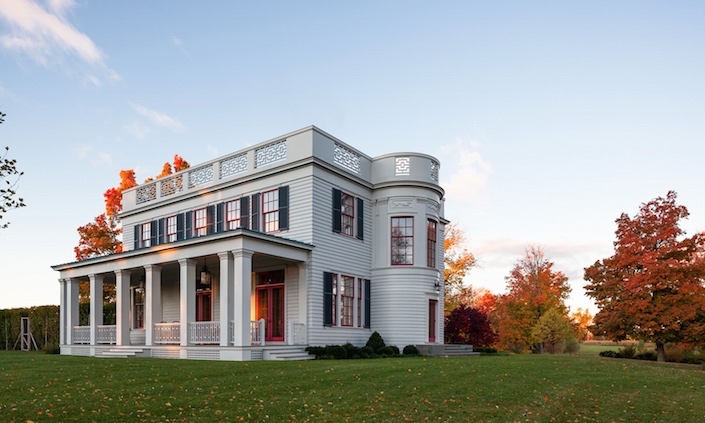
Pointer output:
x,y
167,305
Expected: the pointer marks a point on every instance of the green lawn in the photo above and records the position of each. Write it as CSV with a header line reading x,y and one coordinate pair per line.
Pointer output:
x,y
509,388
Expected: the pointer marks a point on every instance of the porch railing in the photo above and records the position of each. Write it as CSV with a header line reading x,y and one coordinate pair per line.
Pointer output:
x,y
257,332
204,332
167,333
105,334
81,334
297,333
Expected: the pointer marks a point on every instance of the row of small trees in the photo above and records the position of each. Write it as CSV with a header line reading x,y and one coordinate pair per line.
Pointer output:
x,y
651,289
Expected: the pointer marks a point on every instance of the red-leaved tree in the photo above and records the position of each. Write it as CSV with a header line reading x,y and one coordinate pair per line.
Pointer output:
x,y
652,287
468,325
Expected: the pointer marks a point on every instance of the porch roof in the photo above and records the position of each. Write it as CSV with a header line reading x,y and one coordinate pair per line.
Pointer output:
x,y
241,239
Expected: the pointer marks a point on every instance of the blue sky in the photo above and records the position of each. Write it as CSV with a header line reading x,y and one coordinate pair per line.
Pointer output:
x,y
550,119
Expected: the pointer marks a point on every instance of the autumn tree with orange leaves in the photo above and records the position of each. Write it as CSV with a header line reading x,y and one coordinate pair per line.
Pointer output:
x,y
534,287
458,260
652,287
101,237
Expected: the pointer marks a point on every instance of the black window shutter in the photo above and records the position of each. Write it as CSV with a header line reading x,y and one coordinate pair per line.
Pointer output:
x,y
327,299
188,224
283,208
210,220
360,218
337,214
367,303
219,217
254,216
137,236
245,212
154,233
180,227
162,231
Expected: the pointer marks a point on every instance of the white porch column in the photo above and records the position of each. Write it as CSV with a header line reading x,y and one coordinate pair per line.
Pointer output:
x,y
122,307
96,316
226,296
71,308
303,293
242,293
62,312
187,285
153,300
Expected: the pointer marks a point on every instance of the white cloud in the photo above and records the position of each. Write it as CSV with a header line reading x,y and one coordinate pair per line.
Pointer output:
x,y
159,118
138,129
464,174
96,158
179,44
46,36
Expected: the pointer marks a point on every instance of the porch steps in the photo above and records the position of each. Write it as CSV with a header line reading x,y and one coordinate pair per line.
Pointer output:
x,y
121,353
458,350
447,350
288,353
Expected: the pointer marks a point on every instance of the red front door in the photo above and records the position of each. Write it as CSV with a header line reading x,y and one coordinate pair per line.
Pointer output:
x,y
203,306
270,307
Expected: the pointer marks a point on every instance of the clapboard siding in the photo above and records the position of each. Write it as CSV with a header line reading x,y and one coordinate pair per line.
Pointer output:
x,y
170,300
336,253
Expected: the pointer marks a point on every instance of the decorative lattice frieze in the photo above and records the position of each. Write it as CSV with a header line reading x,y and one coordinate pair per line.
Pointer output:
x,y
233,165
172,185
200,176
402,166
434,170
146,193
270,153
346,158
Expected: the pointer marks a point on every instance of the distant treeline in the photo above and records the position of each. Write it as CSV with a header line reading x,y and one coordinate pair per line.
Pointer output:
x,y
43,323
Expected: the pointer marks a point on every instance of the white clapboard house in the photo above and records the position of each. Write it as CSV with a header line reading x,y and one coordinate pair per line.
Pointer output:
x,y
298,241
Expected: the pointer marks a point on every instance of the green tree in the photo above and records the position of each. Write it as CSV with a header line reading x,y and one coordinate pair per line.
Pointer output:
x,y
552,329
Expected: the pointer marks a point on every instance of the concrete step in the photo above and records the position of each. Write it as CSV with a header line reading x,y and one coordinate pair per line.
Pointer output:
x,y
296,353
121,353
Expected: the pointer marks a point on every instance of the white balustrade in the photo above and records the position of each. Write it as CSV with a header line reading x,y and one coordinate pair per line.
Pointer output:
x,y
204,332
257,332
81,334
167,333
106,334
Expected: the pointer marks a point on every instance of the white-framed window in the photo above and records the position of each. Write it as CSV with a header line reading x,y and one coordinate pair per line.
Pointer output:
x,y
344,304
200,226
232,214
431,243
171,229
347,214
138,307
146,237
270,210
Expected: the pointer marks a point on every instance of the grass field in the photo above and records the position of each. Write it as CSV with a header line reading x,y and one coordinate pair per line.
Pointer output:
x,y
510,388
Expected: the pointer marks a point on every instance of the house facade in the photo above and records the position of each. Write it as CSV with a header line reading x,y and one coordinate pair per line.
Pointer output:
x,y
297,241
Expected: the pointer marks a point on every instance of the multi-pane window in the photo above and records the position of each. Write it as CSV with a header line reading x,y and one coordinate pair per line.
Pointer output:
x,y
138,307
402,238
431,244
200,222
270,210
347,214
233,214
347,299
171,229
146,234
